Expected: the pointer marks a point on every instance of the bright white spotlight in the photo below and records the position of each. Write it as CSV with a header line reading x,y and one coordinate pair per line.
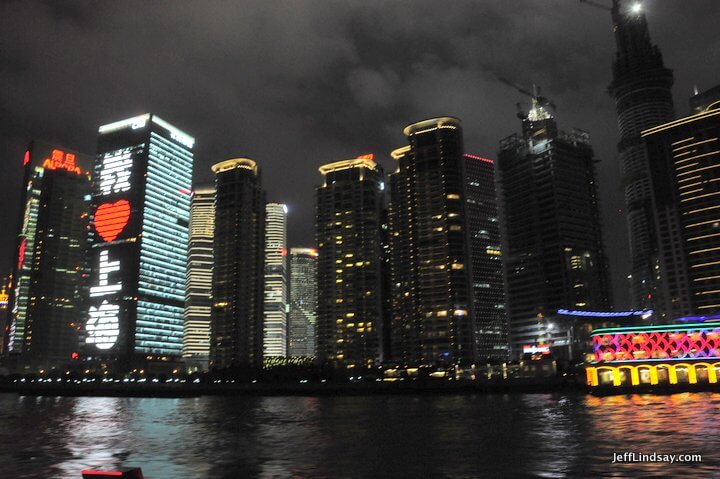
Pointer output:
x,y
636,8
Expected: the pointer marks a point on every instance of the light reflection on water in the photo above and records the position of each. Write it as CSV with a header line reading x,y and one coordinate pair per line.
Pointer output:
x,y
463,436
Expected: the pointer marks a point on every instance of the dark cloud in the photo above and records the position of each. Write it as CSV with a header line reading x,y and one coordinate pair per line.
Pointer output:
x,y
297,83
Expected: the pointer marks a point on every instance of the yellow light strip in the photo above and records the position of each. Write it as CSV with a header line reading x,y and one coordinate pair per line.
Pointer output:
x,y
709,306
683,141
680,122
691,191
347,164
699,169
705,278
703,155
703,209
702,265
690,178
694,144
708,292
705,250
702,223
703,237
700,196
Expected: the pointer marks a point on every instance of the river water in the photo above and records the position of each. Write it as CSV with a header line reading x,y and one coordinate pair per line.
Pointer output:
x,y
458,436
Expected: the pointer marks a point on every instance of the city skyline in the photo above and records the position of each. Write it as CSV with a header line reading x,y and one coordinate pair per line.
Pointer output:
x,y
376,93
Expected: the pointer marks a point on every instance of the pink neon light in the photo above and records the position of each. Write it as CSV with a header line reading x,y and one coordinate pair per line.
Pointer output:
x,y
101,473
185,191
26,159
638,346
479,158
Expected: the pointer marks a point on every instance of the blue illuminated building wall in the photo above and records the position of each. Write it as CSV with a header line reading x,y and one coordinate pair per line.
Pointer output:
x,y
141,206
163,250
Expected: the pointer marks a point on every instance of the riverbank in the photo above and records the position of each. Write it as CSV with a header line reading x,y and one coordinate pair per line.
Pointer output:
x,y
149,389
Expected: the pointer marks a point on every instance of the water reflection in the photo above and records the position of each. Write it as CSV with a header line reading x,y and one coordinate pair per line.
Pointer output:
x,y
463,436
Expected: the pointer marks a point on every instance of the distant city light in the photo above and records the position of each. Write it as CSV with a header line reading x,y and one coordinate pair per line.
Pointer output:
x,y
636,7
645,313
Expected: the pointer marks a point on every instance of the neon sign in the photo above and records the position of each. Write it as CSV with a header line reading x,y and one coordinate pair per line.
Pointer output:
x,y
60,160
111,219
106,267
115,171
103,326
698,341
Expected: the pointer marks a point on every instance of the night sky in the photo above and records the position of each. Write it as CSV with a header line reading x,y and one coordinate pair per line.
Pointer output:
x,y
294,84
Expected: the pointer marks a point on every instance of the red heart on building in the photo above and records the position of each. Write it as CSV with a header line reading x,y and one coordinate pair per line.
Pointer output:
x,y
111,218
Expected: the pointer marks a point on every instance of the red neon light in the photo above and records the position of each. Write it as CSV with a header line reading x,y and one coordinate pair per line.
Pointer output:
x,y
369,156
62,161
102,473
21,253
185,191
74,356
26,159
479,158
111,218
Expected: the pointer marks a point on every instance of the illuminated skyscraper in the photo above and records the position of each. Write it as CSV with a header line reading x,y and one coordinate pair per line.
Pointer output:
x,y
303,301
4,302
488,287
431,282
552,248
239,249
46,300
276,281
141,206
685,168
350,263
198,292
641,88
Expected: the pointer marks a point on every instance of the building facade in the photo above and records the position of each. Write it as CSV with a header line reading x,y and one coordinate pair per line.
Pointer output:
x,y
641,88
141,210
276,281
553,256
303,302
239,251
488,287
47,295
433,321
685,157
198,289
350,263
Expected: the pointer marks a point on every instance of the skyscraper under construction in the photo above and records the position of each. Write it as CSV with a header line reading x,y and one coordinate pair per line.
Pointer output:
x,y
552,247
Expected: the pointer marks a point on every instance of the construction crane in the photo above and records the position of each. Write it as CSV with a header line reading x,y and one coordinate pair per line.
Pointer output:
x,y
596,5
537,99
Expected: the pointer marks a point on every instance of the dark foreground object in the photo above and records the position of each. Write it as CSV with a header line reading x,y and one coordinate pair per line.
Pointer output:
x,y
122,473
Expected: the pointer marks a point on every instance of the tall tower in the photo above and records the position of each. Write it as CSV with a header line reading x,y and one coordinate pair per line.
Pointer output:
x,y
433,319
685,156
552,249
488,288
46,296
141,210
239,250
198,291
276,281
350,263
303,301
641,88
